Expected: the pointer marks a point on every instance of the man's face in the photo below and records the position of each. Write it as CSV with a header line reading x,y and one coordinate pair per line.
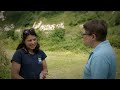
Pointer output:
x,y
87,38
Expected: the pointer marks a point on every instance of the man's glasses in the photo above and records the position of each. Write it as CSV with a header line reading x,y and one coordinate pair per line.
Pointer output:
x,y
82,34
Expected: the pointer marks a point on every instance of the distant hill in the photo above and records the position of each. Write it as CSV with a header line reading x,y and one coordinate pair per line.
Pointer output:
x,y
72,21
72,18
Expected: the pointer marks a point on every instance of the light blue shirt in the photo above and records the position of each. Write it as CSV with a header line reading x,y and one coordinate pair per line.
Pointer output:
x,y
101,63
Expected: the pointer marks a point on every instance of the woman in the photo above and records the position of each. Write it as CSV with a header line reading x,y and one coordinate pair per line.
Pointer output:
x,y
28,62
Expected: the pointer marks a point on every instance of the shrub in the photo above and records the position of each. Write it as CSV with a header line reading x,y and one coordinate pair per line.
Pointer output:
x,y
58,35
40,34
114,40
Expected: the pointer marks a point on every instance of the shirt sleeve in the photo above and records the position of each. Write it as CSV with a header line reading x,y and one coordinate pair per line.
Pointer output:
x,y
99,67
17,57
43,55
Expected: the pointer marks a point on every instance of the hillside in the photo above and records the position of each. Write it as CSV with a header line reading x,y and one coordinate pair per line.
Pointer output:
x,y
71,20
59,36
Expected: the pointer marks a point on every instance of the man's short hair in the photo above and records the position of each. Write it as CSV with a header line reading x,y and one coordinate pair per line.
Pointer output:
x,y
97,27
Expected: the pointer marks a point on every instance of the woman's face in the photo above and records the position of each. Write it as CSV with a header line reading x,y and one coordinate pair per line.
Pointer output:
x,y
31,42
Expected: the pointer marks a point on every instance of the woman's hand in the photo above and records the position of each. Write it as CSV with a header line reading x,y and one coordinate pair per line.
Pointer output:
x,y
43,74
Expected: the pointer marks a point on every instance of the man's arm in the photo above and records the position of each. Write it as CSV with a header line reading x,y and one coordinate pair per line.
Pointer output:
x,y
99,67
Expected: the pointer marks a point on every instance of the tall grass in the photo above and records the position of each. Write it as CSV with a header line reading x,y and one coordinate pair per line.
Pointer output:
x,y
4,63
117,51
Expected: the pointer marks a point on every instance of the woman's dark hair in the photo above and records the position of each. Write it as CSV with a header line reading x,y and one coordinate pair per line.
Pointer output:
x,y
97,27
27,32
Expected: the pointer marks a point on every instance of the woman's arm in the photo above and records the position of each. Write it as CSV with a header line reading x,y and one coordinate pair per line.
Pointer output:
x,y
44,71
15,71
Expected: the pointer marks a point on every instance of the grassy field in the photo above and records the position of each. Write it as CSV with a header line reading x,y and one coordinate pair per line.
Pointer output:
x,y
118,63
61,65
65,65
68,65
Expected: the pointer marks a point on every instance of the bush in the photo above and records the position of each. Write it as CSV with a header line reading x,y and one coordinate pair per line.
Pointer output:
x,y
114,40
48,14
114,30
4,63
117,19
17,36
58,35
114,20
40,34
3,35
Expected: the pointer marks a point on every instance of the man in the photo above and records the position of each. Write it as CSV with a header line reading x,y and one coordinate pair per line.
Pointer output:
x,y
102,60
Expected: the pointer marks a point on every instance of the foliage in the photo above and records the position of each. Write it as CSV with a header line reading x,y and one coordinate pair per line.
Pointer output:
x,y
4,63
114,40
56,38
58,35
67,39
49,14
115,19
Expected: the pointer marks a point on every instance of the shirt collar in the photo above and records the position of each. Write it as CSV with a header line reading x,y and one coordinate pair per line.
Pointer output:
x,y
106,42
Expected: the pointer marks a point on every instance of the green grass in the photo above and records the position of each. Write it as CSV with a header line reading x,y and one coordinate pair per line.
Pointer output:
x,y
5,71
65,65
117,51
4,67
69,65
61,64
